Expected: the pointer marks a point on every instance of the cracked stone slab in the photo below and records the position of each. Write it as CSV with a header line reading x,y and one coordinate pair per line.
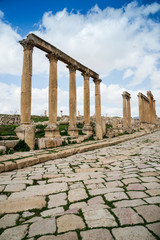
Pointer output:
x,y
155,228
127,216
95,234
42,227
132,233
69,222
40,190
57,200
15,188
23,204
15,233
150,213
115,196
8,220
99,217
77,194
65,236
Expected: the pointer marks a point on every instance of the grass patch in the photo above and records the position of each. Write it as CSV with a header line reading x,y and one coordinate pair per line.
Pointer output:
x,y
39,118
7,130
21,146
63,129
41,131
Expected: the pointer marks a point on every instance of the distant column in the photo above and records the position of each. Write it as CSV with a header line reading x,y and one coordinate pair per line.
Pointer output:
x,y
99,133
72,130
87,129
140,100
126,110
26,81
52,130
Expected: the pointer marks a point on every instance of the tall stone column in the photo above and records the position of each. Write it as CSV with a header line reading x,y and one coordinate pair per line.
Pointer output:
x,y
124,110
98,126
26,83
87,129
154,110
26,131
129,111
150,97
52,130
72,129
140,100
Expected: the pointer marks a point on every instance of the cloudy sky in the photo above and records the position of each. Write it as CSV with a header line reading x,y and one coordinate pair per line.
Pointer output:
x,y
120,40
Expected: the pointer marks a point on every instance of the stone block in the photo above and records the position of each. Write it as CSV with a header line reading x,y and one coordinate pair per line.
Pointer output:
x,y
95,234
69,222
2,149
15,233
9,165
26,162
65,236
2,167
42,227
8,220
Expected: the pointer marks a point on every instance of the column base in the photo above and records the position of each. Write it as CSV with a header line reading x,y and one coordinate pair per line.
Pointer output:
x,y
87,129
27,133
52,131
49,142
73,131
98,129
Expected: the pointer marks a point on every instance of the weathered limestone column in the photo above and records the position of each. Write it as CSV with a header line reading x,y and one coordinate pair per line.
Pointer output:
x,y
129,111
26,81
154,110
52,130
87,129
140,100
98,126
26,131
124,110
150,97
72,129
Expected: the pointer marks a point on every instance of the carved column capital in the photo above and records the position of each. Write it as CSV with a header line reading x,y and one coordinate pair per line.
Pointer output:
x,y
86,74
27,44
52,56
72,67
97,81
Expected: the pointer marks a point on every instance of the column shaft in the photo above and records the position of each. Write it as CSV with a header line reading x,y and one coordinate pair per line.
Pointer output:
x,y
124,111
98,109
26,84
53,90
86,100
140,108
129,112
72,97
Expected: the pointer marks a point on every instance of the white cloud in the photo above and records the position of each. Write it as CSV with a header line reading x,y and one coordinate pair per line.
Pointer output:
x,y
125,39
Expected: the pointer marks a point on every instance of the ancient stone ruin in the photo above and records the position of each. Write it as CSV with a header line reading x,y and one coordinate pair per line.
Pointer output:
x,y
26,130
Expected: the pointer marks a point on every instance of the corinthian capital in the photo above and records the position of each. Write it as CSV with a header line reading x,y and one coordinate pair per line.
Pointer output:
x,y
52,56
27,44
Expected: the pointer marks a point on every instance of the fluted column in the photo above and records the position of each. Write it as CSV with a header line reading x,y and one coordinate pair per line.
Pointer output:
x,y
98,109
87,128
26,81
52,129
72,130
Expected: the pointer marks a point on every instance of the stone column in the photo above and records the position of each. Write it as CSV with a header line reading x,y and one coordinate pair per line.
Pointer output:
x,y
154,110
72,129
150,97
140,100
26,131
124,110
52,130
98,126
129,111
87,129
26,83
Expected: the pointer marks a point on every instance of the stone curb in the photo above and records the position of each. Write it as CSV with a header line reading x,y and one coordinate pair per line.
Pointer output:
x,y
27,162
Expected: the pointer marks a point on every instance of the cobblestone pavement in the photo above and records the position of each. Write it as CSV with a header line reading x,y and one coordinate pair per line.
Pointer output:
x,y
111,193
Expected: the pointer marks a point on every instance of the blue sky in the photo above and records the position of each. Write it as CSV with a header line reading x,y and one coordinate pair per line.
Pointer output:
x,y
117,39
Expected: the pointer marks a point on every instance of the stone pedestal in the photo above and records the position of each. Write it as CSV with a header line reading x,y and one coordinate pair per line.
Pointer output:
x,y
52,131
73,131
87,129
27,133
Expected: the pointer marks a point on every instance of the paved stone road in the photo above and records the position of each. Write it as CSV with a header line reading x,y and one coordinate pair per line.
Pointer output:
x,y
111,193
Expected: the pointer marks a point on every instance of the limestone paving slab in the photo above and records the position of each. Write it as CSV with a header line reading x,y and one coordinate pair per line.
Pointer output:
x,y
8,220
42,227
129,203
77,194
155,228
65,236
57,200
115,196
150,213
15,233
69,222
127,216
132,233
95,234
